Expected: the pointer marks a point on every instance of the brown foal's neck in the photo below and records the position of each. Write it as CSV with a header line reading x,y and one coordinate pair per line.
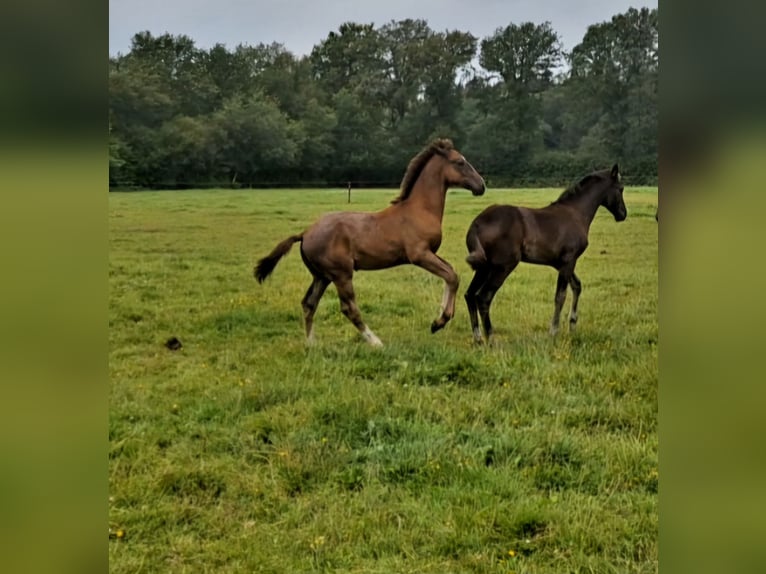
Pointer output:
x,y
430,190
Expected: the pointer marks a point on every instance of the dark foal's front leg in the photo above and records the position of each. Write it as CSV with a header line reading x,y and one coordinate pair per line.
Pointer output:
x,y
561,295
576,285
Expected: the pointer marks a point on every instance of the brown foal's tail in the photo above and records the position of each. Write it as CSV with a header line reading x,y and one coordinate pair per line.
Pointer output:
x,y
476,255
266,265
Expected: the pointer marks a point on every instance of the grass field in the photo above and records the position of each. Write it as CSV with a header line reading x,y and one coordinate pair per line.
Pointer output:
x,y
246,451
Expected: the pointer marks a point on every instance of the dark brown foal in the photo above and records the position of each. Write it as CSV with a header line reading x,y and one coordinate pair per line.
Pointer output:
x,y
503,235
408,231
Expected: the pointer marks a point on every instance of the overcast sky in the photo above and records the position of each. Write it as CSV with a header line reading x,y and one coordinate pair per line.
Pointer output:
x,y
301,24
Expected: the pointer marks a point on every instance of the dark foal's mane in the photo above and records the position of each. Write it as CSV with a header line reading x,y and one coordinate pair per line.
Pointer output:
x,y
416,165
574,190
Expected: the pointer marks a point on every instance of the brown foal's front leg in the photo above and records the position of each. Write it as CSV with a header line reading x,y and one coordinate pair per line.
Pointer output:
x,y
432,263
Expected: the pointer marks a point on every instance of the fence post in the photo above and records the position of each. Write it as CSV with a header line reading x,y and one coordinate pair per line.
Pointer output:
x,y
349,192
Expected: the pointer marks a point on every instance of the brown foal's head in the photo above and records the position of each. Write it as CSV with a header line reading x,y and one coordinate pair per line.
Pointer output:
x,y
459,172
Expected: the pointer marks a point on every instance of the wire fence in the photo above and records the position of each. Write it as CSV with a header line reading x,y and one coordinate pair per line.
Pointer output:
x,y
259,184
496,181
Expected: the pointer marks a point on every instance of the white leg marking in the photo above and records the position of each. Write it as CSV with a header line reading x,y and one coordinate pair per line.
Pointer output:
x,y
445,299
371,337
572,321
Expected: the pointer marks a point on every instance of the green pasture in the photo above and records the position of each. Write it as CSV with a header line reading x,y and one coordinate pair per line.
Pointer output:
x,y
247,451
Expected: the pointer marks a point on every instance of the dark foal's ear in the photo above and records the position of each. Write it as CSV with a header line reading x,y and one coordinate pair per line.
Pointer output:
x,y
615,172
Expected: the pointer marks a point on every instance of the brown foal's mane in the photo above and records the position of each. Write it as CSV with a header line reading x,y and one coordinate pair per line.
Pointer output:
x,y
577,188
416,165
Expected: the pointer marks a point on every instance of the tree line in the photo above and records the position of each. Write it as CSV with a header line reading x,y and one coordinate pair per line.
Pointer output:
x,y
367,99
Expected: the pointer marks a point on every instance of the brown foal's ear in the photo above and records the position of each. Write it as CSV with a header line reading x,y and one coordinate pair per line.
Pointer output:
x,y
615,172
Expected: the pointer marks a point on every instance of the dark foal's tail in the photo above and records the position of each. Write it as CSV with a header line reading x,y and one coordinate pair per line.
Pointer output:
x,y
266,265
476,255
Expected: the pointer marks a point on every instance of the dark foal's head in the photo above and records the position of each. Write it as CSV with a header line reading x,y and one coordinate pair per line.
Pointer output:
x,y
613,200
459,172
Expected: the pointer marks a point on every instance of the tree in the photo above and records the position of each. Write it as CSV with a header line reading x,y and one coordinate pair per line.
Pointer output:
x,y
367,99
179,68
188,152
116,160
231,72
453,51
407,58
350,59
523,56
289,83
615,72
357,135
521,60
254,139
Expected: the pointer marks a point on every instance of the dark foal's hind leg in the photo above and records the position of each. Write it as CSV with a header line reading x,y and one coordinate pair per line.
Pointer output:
x,y
310,303
497,276
574,283
479,278
351,311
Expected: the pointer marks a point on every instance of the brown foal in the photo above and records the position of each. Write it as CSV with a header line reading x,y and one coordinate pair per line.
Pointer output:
x,y
408,231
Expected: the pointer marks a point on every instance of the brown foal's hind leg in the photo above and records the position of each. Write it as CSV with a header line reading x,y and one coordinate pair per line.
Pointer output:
x,y
561,296
310,303
497,277
574,283
479,278
349,309
432,263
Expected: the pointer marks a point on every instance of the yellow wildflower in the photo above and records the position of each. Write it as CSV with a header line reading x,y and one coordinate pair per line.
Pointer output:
x,y
317,544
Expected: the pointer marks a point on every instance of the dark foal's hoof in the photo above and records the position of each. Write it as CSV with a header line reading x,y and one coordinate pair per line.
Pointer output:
x,y
435,326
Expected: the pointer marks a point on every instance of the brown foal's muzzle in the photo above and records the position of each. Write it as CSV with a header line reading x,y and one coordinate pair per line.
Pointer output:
x,y
478,189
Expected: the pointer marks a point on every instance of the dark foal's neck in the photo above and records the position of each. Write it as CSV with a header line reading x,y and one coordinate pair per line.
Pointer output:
x,y
430,189
586,201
